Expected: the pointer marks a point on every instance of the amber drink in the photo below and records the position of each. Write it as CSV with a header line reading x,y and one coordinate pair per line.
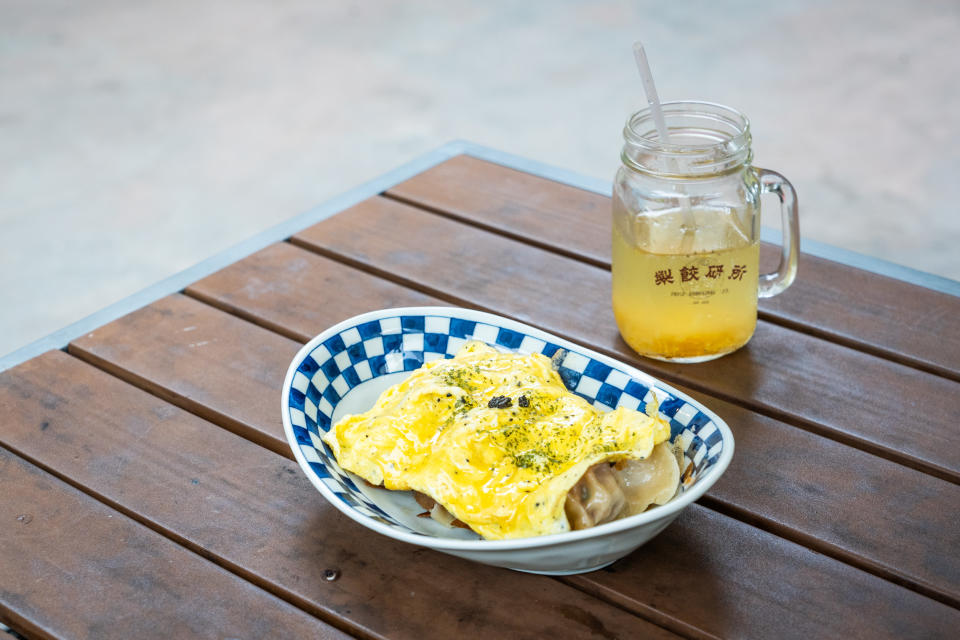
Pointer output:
x,y
685,246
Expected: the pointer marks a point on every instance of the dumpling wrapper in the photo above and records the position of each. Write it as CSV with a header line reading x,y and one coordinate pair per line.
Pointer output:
x,y
653,480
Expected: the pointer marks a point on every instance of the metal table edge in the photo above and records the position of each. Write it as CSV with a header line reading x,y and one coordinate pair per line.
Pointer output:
x,y
179,281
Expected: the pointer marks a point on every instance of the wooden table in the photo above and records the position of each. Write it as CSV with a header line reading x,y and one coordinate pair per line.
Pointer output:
x,y
148,491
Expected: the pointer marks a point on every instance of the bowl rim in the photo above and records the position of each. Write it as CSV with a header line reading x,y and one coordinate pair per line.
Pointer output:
x,y
668,510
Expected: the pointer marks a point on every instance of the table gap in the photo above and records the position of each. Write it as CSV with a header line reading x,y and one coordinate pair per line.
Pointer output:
x,y
827,549
14,627
649,613
187,404
238,312
863,347
526,239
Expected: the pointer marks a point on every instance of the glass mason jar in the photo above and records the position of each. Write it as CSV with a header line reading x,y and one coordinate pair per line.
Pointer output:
x,y
686,234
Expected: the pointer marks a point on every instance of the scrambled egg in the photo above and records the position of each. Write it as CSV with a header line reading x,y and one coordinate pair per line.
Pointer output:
x,y
496,438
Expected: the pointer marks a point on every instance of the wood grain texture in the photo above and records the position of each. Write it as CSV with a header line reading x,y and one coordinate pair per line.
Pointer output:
x,y
71,567
536,210
881,406
213,364
737,582
882,315
894,521
256,514
283,279
831,497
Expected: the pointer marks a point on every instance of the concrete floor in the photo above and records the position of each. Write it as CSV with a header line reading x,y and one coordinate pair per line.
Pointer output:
x,y
137,139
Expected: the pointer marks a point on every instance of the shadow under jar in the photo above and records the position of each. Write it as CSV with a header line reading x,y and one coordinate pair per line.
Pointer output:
x,y
686,234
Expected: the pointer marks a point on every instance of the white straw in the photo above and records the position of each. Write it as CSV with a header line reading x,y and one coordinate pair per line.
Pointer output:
x,y
689,223
651,90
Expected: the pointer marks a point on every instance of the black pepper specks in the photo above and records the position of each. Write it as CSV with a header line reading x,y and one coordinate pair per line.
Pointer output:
x,y
523,401
500,402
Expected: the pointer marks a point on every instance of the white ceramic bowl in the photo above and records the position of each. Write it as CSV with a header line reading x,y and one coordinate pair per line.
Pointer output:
x,y
345,368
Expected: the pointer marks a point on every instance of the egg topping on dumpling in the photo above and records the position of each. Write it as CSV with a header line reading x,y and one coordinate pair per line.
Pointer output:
x,y
495,438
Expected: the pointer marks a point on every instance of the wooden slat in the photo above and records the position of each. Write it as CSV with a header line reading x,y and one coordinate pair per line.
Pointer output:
x,y
71,567
284,279
193,352
842,501
886,316
881,406
741,583
833,498
549,214
255,513
882,315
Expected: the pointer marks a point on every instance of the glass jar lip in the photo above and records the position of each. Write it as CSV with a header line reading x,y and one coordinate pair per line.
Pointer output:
x,y
633,133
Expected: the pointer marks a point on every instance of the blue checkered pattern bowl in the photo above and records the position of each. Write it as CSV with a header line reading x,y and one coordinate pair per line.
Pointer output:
x,y
344,369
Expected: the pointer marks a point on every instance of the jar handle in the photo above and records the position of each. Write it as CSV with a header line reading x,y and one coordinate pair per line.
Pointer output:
x,y
773,283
